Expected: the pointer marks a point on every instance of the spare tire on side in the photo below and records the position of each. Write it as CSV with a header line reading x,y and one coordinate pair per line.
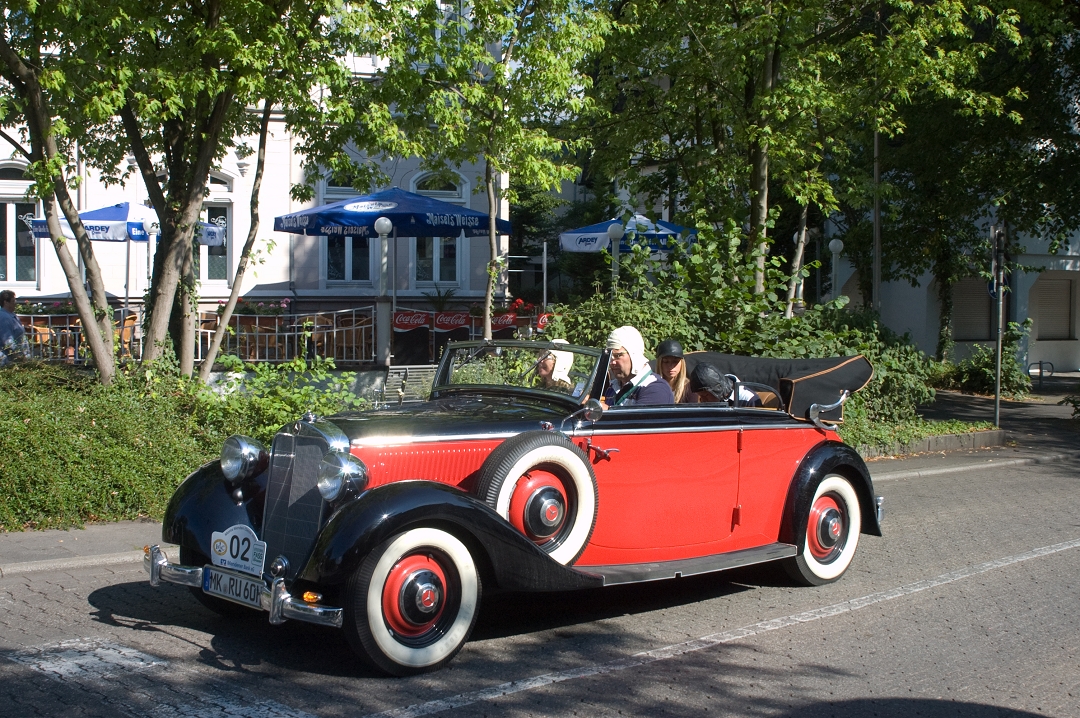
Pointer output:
x,y
543,484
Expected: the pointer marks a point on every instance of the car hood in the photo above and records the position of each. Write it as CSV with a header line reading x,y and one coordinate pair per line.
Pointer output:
x,y
457,415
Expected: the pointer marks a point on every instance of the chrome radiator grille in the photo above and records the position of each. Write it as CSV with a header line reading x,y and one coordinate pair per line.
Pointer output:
x,y
294,509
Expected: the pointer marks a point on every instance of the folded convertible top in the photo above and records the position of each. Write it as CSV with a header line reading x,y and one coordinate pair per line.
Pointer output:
x,y
799,382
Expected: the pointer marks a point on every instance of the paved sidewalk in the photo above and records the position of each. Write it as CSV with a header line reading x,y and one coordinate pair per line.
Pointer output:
x,y
1039,432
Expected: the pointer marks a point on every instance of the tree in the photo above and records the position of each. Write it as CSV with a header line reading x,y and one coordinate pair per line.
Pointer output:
x,y
709,105
36,77
482,83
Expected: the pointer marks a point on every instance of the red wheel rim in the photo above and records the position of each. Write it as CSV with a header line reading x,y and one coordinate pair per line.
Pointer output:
x,y
541,493
826,530
414,594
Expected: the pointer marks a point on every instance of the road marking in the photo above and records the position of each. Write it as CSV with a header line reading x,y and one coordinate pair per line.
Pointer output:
x,y
715,639
137,684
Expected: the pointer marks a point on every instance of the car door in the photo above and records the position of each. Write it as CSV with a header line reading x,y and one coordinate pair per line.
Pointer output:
x,y
667,479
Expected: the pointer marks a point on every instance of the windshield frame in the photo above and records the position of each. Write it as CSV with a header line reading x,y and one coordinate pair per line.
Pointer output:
x,y
440,385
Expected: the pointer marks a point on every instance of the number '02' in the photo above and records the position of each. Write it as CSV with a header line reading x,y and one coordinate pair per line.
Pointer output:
x,y
239,549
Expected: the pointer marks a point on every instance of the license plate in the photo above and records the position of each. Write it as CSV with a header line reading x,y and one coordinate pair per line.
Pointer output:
x,y
232,587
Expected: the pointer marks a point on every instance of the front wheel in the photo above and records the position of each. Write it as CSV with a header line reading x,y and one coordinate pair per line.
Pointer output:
x,y
831,533
413,602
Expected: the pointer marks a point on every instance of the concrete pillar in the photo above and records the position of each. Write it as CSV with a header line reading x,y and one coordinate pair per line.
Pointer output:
x,y
383,330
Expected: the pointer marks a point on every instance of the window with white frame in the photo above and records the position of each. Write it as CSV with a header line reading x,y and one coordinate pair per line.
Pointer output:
x,y
972,310
1054,306
348,259
436,258
18,248
212,261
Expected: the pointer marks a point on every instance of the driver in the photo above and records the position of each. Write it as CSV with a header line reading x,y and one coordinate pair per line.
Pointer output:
x,y
633,382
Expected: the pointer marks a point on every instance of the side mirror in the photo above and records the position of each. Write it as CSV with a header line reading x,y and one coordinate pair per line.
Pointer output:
x,y
593,410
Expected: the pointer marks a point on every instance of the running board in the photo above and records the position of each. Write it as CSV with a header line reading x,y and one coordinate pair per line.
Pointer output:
x,y
638,572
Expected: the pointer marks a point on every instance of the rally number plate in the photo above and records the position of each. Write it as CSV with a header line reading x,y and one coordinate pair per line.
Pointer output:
x,y
232,586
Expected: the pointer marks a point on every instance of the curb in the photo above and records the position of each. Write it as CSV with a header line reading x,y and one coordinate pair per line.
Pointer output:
x,y
990,464
941,442
74,562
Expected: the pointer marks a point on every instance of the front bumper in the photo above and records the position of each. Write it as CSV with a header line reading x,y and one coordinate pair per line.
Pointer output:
x,y
276,599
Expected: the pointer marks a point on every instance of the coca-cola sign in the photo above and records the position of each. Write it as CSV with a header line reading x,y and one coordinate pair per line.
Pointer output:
x,y
407,321
503,321
449,321
542,321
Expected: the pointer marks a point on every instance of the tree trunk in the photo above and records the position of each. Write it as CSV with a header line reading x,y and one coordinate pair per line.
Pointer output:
x,y
759,174
945,275
96,318
245,255
493,245
188,312
796,264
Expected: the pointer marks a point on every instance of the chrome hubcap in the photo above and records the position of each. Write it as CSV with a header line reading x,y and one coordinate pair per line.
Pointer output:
x,y
544,512
421,596
830,528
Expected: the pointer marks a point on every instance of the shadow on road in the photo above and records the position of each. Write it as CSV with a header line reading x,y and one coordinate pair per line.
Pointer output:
x,y
905,708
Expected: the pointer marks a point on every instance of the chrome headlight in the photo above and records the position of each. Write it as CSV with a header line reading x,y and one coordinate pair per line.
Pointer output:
x,y
241,458
339,469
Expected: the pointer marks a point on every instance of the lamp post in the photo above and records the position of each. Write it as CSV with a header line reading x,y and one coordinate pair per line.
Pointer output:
x,y
836,246
383,306
615,233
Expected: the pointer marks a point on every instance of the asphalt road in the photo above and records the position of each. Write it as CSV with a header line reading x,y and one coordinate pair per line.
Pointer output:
x,y
969,606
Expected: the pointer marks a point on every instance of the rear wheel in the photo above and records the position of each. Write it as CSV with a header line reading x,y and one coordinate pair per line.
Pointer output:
x,y
413,602
228,609
831,533
542,483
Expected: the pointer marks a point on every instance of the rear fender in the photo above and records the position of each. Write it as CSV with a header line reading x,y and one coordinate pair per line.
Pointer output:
x,y
828,457
510,559
203,504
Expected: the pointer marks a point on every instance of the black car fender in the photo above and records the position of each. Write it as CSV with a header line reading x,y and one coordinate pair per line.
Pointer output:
x,y
828,457
503,553
203,504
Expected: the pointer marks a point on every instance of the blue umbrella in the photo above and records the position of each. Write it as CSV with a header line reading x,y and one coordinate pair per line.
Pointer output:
x,y
123,222
413,215
594,238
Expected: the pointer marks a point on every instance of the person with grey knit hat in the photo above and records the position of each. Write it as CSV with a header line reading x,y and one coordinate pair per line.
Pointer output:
x,y
632,381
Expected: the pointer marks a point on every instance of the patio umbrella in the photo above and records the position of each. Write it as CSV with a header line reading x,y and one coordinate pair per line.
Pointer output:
x,y
124,222
413,215
594,238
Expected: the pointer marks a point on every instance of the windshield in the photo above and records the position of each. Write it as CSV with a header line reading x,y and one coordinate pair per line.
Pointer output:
x,y
552,367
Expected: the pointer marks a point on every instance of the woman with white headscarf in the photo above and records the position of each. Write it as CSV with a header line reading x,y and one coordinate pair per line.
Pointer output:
x,y
633,382
553,371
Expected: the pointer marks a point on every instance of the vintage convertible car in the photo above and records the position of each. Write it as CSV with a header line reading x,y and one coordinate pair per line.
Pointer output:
x,y
511,476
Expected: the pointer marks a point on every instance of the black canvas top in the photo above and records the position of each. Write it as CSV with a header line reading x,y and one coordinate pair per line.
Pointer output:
x,y
800,382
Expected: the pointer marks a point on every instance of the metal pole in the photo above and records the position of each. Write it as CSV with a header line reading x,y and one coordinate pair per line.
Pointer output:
x,y
127,276
393,279
999,281
544,303
876,299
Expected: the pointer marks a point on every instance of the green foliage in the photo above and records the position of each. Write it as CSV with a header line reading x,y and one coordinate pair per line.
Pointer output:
x,y
73,451
704,298
977,374
859,430
1074,402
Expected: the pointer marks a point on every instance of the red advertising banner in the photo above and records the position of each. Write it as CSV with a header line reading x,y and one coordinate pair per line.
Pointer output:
x,y
542,321
503,321
407,321
449,321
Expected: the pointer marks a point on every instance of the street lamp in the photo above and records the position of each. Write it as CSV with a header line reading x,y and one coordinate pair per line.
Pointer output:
x,y
615,233
384,227
836,246
383,307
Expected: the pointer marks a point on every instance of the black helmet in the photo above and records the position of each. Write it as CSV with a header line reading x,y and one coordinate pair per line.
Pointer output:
x,y
706,377
669,348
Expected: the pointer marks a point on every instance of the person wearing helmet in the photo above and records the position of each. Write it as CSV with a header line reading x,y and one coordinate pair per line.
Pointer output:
x,y
632,380
710,385
671,367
